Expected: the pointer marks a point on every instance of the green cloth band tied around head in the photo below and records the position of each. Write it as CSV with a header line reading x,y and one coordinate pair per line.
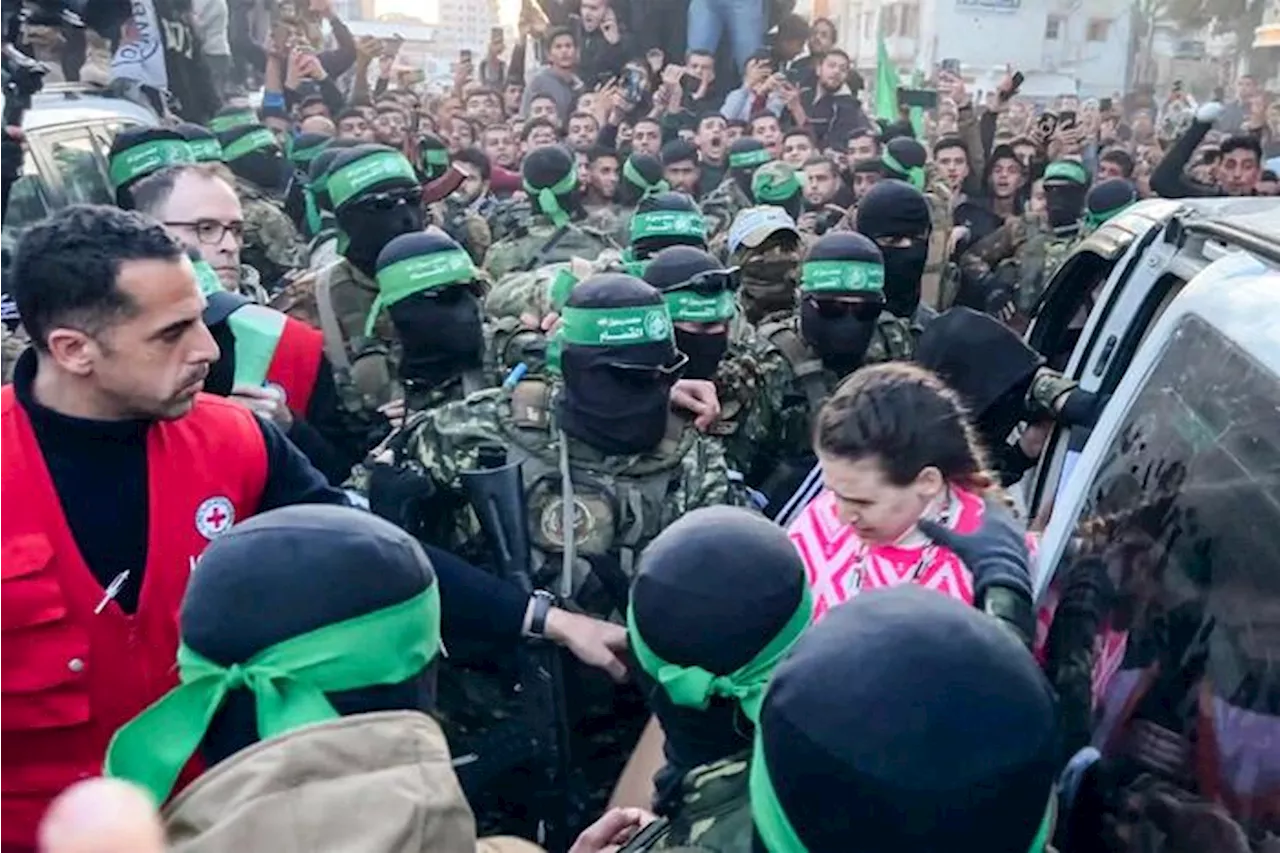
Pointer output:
x,y
288,682
354,178
693,686
615,327
842,277
781,191
1094,219
746,159
1067,170
414,275
254,140
560,288
779,836
435,157
547,201
632,174
206,278
689,307
142,160
668,223
205,150
230,121
915,175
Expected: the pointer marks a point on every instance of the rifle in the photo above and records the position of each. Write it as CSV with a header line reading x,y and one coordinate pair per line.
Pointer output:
x,y
496,493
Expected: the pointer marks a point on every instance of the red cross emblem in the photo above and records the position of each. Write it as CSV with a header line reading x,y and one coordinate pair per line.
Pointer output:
x,y
214,516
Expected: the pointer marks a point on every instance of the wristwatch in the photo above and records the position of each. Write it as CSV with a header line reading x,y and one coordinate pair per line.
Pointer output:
x,y
541,603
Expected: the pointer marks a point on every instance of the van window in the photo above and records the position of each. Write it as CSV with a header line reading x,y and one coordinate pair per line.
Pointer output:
x,y
1165,641
80,167
27,202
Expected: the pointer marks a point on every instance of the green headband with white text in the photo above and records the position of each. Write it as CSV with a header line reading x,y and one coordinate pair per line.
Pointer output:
x,y
745,159
353,179
146,158
614,327
842,277
254,140
413,275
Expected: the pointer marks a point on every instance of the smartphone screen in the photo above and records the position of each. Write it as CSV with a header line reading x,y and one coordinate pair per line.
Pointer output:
x,y
1066,119
464,55
1104,105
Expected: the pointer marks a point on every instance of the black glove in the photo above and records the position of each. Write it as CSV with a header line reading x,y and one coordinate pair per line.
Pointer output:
x,y
997,556
399,494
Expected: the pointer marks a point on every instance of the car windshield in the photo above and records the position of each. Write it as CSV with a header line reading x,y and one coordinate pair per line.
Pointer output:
x,y
1165,645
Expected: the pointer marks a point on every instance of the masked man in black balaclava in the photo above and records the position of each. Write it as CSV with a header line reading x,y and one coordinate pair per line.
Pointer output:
x,y
272,244
699,294
734,194
427,284
661,220
896,216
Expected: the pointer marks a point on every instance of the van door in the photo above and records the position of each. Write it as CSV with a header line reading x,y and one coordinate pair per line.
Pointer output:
x,y
74,166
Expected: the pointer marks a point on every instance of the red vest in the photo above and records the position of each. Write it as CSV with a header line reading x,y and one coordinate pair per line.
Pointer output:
x,y
69,677
296,362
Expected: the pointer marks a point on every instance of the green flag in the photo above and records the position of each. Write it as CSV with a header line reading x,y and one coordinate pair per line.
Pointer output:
x,y
886,84
917,113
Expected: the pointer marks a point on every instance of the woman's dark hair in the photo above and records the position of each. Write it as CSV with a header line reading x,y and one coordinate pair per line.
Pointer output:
x,y
906,417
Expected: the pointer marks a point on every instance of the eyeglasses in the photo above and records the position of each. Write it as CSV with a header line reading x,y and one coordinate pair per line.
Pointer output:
x,y
649,373
834,309
387,200
211,231
711,282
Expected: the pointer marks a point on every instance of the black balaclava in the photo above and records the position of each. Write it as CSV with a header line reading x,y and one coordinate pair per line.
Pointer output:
x,y
693,296
987,364
252,153
695,602
867,735
904,159
641,176
288,572
317,172
376,198
618,359
433,156
137,152
652,234
897,209
205,147
1108,199
550,177
425,282
1066,183
746,154
841,267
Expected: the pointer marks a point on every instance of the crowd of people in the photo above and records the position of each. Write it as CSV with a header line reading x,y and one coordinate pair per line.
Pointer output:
x,y
394,469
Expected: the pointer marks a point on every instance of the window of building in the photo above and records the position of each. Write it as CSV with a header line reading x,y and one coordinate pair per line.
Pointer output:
x,y
910,22
1052,28
1098,29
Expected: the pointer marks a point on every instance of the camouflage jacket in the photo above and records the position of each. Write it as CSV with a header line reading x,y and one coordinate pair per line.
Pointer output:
x,y
537,244
12,345
715,810
1037,260
468,228
619,502
938,196
795,382
613,220
251,285
722,204
272,244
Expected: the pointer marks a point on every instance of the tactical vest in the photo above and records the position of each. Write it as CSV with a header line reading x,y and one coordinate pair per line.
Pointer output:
x,y
714,813
1039,259
807,367
617,504
361,365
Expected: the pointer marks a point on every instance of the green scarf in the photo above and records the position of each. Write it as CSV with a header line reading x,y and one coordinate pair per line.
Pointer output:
x,y
914,175
693,686
288,682
547,201
632,174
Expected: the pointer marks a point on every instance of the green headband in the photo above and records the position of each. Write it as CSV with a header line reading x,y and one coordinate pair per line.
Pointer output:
x,y
288,682
304,156
668,223
779,836
354,178
743,159
254,140
146,158
915,175
205,150
615,327
1067,170
842,277
547,201
414,275
230,121
1095,219
632,174
769,191
435,156
693,686
206,278
689,307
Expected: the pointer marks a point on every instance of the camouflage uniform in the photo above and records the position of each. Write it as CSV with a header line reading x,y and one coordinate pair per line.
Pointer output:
x,y
612,220
12,345
714,813
939,197
536,244
620,504
467,228
272,244
1030,253
772,269
250,286
722,204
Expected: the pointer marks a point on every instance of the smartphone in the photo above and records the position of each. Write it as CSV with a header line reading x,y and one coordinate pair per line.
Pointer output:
x,y
1046,124
633,83
1104,105
391,46
951,66
464,56
1067,120
924,98
689,83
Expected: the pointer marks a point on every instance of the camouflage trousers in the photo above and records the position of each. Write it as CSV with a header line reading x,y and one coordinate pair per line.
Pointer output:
x,y
477,693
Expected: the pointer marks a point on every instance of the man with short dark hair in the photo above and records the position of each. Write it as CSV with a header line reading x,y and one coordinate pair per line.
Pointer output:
x,y
680,166
646,137
604,46
484,106
797,148
353,125
582,131
544,107
1115,163
863,144
538,133
712,151
601,178
1235,174
830,109
766,128
499,145
559,80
